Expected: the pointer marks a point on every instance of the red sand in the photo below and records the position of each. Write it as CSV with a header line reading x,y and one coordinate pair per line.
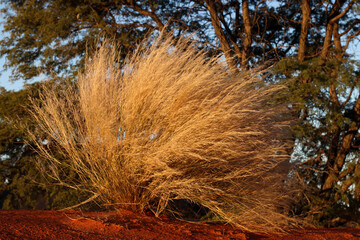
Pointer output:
x,y
26,224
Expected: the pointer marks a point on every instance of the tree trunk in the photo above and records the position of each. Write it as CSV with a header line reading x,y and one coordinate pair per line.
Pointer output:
x,y
246,36
332,20
357,180
306,11
339,148
327,41
339,52
225,46
344,149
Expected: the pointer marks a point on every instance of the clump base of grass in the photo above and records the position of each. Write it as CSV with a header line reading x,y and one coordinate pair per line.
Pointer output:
x,y
171,125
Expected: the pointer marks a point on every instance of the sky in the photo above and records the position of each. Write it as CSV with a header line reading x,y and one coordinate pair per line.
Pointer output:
x,y
4,77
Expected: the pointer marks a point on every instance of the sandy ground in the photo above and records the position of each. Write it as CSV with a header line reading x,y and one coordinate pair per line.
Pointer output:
x,y
26,224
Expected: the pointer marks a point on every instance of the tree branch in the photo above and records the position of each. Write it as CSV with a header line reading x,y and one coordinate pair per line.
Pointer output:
x,y
221,35
334,19
348,98
306,11
144,12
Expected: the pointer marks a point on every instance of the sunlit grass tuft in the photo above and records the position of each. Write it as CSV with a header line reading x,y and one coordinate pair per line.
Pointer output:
x,y
171,124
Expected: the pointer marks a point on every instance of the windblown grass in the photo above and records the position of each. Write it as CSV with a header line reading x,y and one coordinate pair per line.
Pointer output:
x,y
171,124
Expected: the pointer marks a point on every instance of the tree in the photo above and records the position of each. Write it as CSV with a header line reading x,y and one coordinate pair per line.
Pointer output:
x,y
325,88
321,74
51,36
16,168
22,184
251,32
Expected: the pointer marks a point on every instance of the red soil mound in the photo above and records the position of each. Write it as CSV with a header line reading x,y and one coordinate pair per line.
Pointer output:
x,y
25,224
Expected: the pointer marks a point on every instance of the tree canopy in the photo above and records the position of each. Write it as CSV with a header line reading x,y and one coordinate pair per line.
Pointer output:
x,y
22,184
324,85
51,36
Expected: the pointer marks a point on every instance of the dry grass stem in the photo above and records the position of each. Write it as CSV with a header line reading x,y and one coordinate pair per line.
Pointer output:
x,y
171,124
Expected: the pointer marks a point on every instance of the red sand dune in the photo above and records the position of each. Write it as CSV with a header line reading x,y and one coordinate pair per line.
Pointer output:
x,y
26,224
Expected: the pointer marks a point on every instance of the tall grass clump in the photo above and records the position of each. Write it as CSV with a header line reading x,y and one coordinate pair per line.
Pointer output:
x,y
171,124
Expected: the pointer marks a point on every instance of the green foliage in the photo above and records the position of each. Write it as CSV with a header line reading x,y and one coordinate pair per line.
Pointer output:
x,y
51,36
22,184
14,118
321,131
323,90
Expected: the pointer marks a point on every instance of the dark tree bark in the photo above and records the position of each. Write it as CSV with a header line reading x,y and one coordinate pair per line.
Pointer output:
x,y
305,23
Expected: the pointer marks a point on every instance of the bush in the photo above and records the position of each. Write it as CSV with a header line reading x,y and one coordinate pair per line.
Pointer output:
x,y
171,124
22,186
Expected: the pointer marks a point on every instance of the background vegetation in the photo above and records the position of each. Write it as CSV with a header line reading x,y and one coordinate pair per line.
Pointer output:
x,y
310,43
23,185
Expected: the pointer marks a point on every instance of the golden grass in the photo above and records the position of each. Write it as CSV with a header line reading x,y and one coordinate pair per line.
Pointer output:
x,y
171,124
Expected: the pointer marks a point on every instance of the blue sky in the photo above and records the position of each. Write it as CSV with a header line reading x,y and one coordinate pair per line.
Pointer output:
x,y
4,77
